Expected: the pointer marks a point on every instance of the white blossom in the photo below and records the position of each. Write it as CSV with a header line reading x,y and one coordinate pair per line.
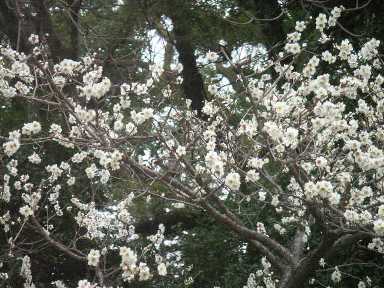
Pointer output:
x,y
232,180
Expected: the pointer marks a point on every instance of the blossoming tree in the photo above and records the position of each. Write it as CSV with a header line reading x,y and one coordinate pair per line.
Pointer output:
x,y
302,140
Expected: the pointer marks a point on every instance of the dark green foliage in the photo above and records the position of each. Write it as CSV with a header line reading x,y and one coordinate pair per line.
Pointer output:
x,y
216,256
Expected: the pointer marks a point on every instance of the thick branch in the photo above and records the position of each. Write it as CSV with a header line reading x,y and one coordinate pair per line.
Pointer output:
x,y
308,264
345,241
298,244
247,233
270,244
275,261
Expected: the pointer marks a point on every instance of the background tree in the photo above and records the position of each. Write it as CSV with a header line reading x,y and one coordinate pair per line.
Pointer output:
x,y
123,34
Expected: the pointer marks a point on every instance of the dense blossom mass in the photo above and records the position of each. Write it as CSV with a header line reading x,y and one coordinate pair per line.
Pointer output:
x,y
305,137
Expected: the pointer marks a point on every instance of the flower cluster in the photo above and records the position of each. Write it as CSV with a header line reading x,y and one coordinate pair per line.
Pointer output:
x,y
301,140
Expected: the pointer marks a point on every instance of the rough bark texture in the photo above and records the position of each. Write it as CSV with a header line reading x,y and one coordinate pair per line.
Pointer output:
x,y
307,266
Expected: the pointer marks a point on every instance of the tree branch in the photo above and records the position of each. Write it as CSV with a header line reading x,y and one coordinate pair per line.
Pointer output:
x,y
55,243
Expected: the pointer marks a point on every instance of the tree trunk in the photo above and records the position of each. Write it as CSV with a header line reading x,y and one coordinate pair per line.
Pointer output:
x,y
193,85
